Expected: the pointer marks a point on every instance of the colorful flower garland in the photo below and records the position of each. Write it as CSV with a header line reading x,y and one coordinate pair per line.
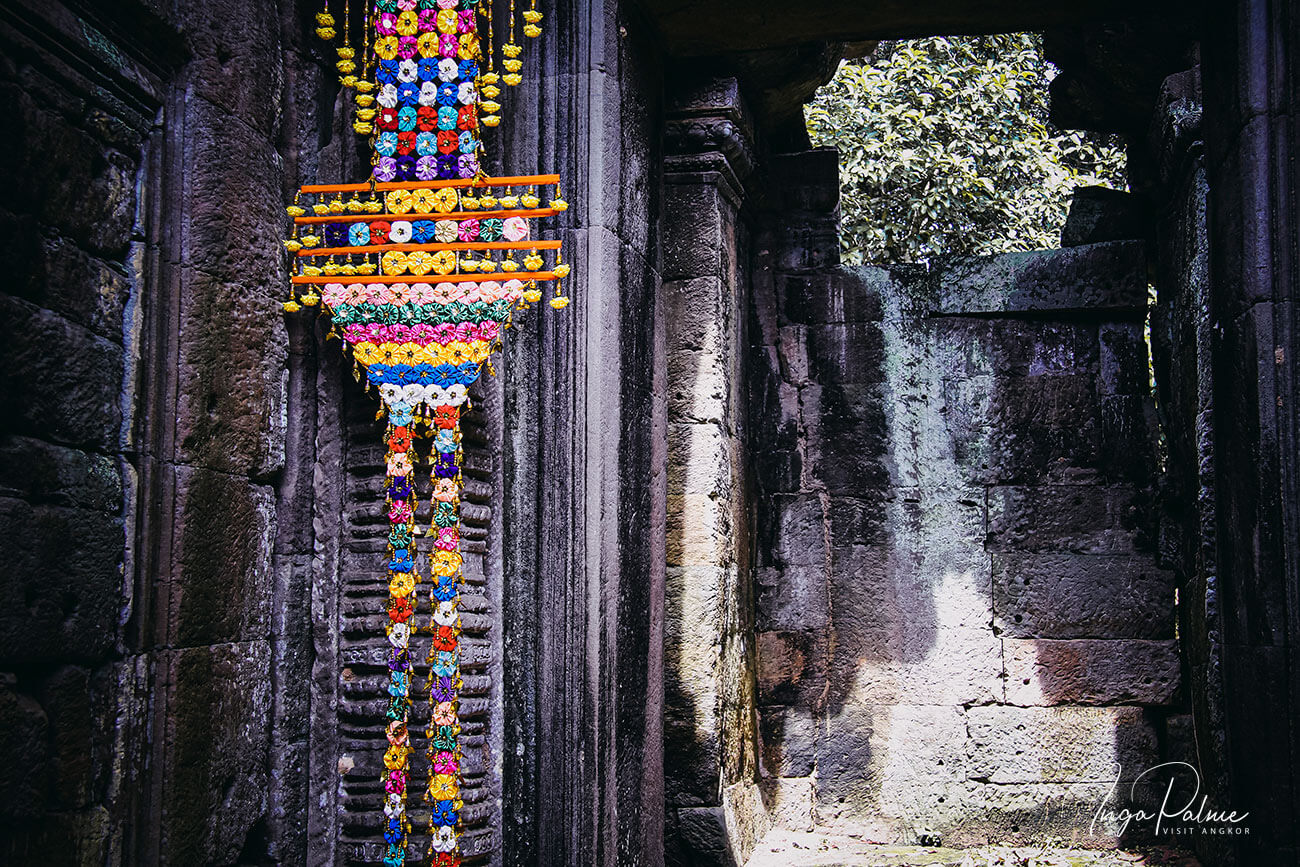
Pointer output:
x,y
407,267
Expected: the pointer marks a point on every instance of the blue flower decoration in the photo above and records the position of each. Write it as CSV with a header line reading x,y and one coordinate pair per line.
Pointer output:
x,y
468,69
399,413
445,591
359,234
408,93
386,72
468,143
444,813
406,118
445,441
401,562
386,143
406,164
426,144
393,833
447,166
428,69
399,683
447,94
422,231
446,662
447,117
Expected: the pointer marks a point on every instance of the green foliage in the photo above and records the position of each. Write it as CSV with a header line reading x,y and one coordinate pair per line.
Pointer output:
x,y
945,149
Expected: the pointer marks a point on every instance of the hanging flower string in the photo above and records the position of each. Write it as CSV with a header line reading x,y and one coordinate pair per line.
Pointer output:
x,y
421,269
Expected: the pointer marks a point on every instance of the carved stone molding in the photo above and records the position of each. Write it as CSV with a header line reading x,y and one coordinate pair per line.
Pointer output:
x,y
709,138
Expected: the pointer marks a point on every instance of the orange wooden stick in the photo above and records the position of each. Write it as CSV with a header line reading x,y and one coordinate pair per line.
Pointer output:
x,y
521,181
499,276
432,248
453,215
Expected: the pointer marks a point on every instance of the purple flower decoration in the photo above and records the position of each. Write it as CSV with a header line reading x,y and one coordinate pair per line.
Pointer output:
x,y
426,169
385,169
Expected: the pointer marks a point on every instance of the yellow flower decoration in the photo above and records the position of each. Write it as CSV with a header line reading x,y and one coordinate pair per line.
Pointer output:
x,y
393,263
532,31
512,65
427,44
488,201
423,201
511,50
533,262
444,262
469,203
559,302
444,787
424,354
402,584
510,202
444,200
420,263
469,49
386,47
408,23
399,201
529,201
446,563
395,757
446,21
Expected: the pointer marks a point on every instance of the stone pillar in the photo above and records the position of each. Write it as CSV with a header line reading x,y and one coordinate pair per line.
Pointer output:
x,y
1250,80
715,814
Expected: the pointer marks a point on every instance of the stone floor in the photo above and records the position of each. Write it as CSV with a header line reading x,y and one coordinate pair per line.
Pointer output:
x,y
797,849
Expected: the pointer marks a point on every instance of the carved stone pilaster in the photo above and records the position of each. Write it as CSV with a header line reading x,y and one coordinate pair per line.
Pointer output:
x,y
709,138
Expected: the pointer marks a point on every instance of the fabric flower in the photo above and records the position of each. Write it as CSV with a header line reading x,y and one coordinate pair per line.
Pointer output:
x,y
428,93
466,94
489,229
515,229
467,231
406,168
387,118
386,24
447,117
447,166
465,21
386,47
428,65
444,490
444,638
467,165
426,144
422,231
406,142
489,330
408,92
400,232
406,118
467,117
448,4
386,71
469,46
407,23
379,232
447,45
445,293
469,69
446,21
448,141
426,169
445,231
332,294
448,69
445,200
448,539
386,143
407,49
467,142
445,763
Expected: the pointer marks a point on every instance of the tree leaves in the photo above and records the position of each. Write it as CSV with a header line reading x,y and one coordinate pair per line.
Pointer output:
x,y
945,149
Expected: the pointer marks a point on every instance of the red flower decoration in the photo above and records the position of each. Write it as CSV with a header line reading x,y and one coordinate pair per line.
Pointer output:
x,y
445,638
444,416
468,117
406,142
399,439
400,609
448,141
387,119
426,118
379,232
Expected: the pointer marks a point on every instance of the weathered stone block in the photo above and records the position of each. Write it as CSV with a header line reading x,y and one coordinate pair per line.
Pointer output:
x,y
1082,519
789,802
1040,424
919,763
905,663
62,585
25,773
793,530
696,314
1099,214
789,738
1109,276
696,241
791,668
847,437
1057,744
1081,596
699,460
849,352
699,386
217,738
221,57
1084,671
41,472
232,375
222,552
698,838
699,531
59,381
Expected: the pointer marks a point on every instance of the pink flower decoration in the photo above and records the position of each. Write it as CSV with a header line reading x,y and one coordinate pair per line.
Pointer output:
x,y
421,293
404,5
445,763
448,538
406,47
472,293
377,293
444,714
465,21
422,333
357,293
395,785
445,293
356,333
428,21
448,4
513,290
399,293
398,333
334,293
489,330
443,332
463,331
490,290
387,24
515,229
400,512
468,231
447,45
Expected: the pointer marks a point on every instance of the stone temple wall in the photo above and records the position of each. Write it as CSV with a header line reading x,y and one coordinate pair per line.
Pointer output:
x,y
961,626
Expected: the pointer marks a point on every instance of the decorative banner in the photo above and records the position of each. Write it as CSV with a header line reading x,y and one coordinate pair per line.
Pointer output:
x,y
417,271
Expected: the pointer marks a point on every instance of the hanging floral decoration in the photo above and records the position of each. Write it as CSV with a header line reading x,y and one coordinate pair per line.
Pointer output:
x,y
421,269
